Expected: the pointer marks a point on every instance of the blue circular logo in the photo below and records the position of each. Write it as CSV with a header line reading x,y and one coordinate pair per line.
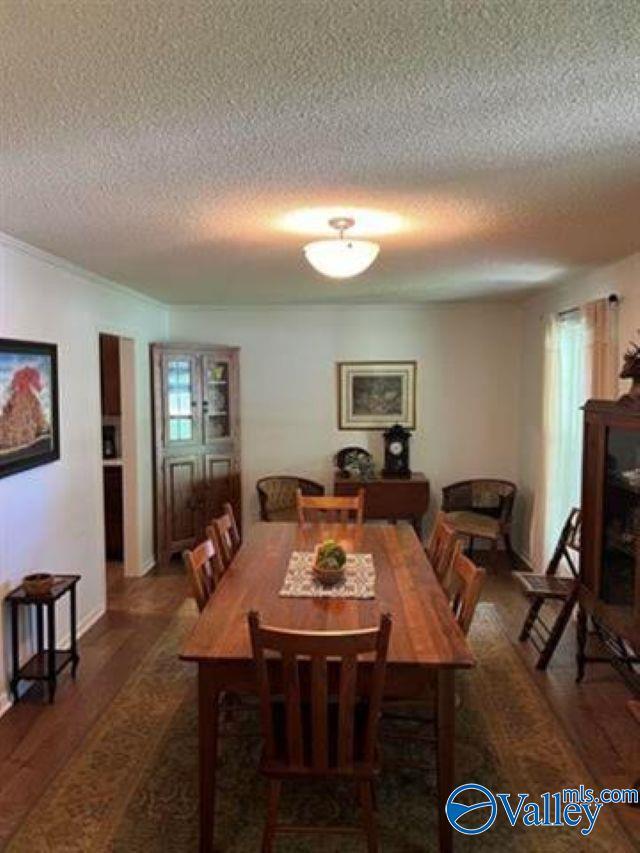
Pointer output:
x,y
457,811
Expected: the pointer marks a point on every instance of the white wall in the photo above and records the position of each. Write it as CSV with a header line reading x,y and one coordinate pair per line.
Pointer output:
x,y
622,278
468,372
51,517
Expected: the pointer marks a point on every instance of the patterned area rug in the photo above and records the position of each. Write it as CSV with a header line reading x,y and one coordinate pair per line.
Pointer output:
x,y
131,787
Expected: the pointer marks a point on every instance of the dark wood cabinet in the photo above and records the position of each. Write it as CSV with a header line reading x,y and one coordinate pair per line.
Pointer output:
x,y
197,441
610,545
110,375
391,498
113,513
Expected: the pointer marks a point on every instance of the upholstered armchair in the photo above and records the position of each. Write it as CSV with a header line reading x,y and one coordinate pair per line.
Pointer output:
x,y
277,496
481,509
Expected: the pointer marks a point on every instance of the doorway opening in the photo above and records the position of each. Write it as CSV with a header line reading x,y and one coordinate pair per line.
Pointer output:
x,y
117,397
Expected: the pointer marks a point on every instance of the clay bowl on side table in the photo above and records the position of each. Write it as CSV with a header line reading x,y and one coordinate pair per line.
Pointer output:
x,y
38,584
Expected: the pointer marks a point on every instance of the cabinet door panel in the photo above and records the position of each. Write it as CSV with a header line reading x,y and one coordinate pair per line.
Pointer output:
x,y
181,399
221,484
218,392
183,512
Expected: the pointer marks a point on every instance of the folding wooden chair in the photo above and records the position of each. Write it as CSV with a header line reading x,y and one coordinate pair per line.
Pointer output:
x,y
549,587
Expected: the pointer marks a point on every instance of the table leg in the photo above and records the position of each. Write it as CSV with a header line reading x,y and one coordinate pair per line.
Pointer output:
x,y
15,652
51,649
445,753
208,748
74,631
39,628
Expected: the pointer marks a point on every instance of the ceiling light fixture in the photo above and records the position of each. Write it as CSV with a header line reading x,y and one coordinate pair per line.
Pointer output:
x,y
341,258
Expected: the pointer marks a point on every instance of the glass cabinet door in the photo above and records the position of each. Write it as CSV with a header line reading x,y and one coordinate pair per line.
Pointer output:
x,y
181,400
621,518
216,399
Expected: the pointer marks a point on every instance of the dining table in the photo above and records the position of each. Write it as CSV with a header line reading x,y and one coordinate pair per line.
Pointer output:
x,y
426,645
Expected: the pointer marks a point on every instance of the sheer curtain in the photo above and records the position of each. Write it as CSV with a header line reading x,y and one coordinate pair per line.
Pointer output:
x,y
580,362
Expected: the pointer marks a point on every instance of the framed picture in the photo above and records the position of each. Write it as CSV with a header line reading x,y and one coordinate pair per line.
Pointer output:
x,y
376,394
29,431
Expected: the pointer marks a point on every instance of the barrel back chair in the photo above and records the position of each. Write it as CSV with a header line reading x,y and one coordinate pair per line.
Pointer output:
x,y
277,496
481,509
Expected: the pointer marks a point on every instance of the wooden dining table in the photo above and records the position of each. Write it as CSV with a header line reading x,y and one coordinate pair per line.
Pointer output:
x,y
426,646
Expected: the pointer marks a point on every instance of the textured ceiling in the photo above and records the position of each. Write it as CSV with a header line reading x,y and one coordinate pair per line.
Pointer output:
x,y
159,142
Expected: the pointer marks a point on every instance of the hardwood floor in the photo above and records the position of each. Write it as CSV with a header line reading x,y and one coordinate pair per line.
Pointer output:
x,y
36,739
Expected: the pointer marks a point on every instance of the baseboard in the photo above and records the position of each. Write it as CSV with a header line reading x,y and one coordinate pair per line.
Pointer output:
x,y
526,559
150,564
5,703
83,626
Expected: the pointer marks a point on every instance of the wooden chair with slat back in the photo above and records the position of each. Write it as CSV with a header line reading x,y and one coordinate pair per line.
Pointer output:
x,y
322,732
330,509
442,547
540,589
224,531
464,588
205,568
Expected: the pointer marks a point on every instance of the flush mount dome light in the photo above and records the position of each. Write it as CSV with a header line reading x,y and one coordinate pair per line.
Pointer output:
x,y
341,258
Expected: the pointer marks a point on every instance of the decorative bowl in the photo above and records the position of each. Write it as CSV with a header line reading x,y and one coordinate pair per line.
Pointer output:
x,y
328,572
39,584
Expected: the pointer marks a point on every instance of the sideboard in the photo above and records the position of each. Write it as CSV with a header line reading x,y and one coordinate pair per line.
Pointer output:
x,y
391,498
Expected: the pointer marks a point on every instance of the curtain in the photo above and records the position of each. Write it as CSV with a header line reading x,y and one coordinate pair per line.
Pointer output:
x,y
579,363
601,323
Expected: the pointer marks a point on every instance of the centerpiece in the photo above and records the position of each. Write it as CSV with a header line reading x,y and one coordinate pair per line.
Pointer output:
x,y
329,562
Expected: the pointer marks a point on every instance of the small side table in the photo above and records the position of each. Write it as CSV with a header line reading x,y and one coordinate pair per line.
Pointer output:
x,y
47,662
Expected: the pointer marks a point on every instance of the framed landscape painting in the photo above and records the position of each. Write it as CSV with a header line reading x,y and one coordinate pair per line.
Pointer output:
x,y
29,431
376,394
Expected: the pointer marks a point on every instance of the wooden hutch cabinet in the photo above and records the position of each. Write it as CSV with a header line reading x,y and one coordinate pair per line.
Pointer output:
x,y
197,441
610,546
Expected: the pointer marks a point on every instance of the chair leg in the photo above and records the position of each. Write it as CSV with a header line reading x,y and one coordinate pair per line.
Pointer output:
x,y
531,617
509,549
557,631
368,816
275,786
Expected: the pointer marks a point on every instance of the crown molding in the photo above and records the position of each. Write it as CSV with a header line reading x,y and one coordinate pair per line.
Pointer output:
x,y
67,266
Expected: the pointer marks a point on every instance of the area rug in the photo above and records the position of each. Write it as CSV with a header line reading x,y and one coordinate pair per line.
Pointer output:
x,y
132,787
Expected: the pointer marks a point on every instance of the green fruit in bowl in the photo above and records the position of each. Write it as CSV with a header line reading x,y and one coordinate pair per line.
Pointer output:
x,y
331,555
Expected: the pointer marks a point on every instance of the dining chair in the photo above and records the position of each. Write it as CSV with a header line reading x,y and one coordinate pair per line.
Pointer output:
x,y
331,508
321,732
463,590
540,589
204,567
481,509
224,531
442,547
277,496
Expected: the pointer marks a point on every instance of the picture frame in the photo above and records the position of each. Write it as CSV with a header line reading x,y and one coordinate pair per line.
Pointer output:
x,y
376,394
29,414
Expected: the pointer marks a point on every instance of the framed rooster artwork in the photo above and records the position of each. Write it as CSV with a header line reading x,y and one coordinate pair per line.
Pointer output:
x,y
29,429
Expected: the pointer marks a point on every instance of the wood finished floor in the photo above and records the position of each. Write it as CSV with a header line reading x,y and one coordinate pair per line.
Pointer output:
x,y
36,740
